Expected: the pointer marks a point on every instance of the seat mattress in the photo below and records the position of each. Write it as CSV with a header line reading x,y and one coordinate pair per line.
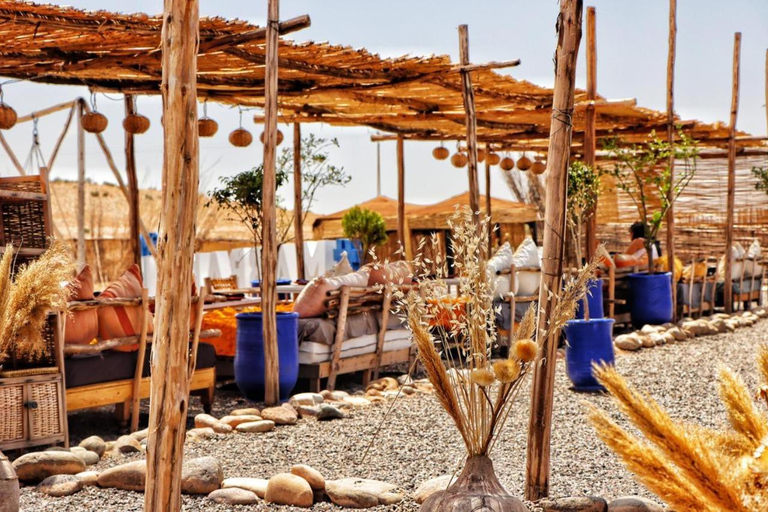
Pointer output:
x,y
312,352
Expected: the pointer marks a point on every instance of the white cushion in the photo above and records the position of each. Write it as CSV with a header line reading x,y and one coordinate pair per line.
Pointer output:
x,y
527,255
754,252
311,352
500,261
738,252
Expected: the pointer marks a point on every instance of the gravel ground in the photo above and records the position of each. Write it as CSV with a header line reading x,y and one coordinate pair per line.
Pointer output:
x,y
414,440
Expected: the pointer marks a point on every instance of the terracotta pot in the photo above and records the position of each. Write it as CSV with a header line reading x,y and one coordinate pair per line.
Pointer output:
x,y
480,154
459,160
7,117
136,124
507,163
440,153
240,138
279,137
538,167
207,127
494,158
9,486
524,163
476,490
94,122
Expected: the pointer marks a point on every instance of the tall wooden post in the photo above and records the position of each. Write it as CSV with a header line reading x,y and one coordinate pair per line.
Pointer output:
x,y
671,139
488,199
540,426
468,95
401,192
298,208
80,185
590,142
766,89
169,399
269,226
731,199
133,187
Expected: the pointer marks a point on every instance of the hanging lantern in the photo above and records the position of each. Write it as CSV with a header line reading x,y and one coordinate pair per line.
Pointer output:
x,y
493,158
136,124
206,127
538,167
459,160
440,153
507,164
7,116
94,121
279,137
480,154
524,163
240,138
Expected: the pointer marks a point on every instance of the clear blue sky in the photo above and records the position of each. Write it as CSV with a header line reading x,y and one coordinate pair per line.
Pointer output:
x,y
632,53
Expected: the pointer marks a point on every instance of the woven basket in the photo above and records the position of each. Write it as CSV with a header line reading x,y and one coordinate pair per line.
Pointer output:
x,y
44,420
23,221
11,413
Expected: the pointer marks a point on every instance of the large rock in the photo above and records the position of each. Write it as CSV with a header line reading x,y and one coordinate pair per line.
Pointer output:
x,y
94,444
362,493
634,504
201,476
309,399
280,415
88,478
88,457
575,504
128,477
257,486
306,411
328,412
678,334
288,489
233,496
234,421
256,426
250,411
203,433
313,477
206,420
628,342
141,435
357,400
430,487
127,444
60,485
36,467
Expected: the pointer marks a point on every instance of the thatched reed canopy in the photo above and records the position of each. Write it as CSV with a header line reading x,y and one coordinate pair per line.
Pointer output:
x,y
419,98
328,227
435,216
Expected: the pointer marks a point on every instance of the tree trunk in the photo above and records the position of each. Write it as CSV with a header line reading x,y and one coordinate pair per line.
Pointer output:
x,y
133,188
170,351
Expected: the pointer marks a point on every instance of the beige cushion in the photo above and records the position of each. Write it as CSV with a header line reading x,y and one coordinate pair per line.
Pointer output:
x,y
341,268
500,261
397,272
527,255
311,301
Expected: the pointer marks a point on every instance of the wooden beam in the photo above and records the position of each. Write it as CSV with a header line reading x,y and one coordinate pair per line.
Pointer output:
x,y
671,140
12,155
731,197
590,139
134,231
259,34
468,96
542,399
57,146
766,90
169,401
269,234
401,192
46,111
80,186
298,207
488,199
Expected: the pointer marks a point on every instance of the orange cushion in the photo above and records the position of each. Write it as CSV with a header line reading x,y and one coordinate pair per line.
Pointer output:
x,y
625,260
81,326
121,321
398,272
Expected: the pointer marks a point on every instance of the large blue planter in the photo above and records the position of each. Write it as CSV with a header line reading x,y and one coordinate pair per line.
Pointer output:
x,y
594,299
589,341
249,356
650,298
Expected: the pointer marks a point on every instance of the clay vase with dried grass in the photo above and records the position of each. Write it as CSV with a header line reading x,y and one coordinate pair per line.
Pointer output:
x,y
476,489
9,486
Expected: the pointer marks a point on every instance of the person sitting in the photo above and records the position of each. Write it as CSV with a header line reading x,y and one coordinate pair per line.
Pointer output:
x,y
636,254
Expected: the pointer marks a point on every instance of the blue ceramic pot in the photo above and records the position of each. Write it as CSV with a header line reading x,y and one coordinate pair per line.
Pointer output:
x,y
650,298
589,341
594,299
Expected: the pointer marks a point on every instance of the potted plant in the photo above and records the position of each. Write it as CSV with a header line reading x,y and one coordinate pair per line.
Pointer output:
x,y
643,172
367,230
589,336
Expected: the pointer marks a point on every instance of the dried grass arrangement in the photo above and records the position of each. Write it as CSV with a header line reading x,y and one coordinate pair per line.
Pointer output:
x,y
455,338
692,468
26,300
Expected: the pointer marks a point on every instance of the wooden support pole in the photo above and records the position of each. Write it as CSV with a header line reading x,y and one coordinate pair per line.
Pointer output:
x,y
468,94
269,234
63,134
590,138
12,155
671,139
540,426
766,90
488,199
401,192
80,186
298,208
169,400
133,186
731,198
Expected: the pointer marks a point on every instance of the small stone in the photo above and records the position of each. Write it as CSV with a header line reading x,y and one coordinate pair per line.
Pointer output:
x,y
313,477
334,396
383,384
357,400
280,415
250,411
201,476
233,496
646,341
309,399
657,338
430,487
628,342
668,337
234,421
377,400
327,412
408,390
127,444
37,466
90,458
60,485
362,493
678,334
256,426
109,446
288,489
306,411
575,504
89,478
649,329
128,477
373,392
206,420
257,486
405,380
634,504
201,433
141,435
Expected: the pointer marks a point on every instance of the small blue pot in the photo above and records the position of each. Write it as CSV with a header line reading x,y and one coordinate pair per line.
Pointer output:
x,y
594,299
589,341
249,356
650,299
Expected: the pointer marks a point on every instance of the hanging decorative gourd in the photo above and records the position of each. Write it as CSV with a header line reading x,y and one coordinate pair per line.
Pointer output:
x,y
241,137
206,127
279,137
538,167
459,160
441,152
480,154
94,121
7,114
507,164
493,158
135,123
524,163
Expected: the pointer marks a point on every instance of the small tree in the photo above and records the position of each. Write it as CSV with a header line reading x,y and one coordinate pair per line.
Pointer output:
x,y
365,228
583,191
642,171
761,173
